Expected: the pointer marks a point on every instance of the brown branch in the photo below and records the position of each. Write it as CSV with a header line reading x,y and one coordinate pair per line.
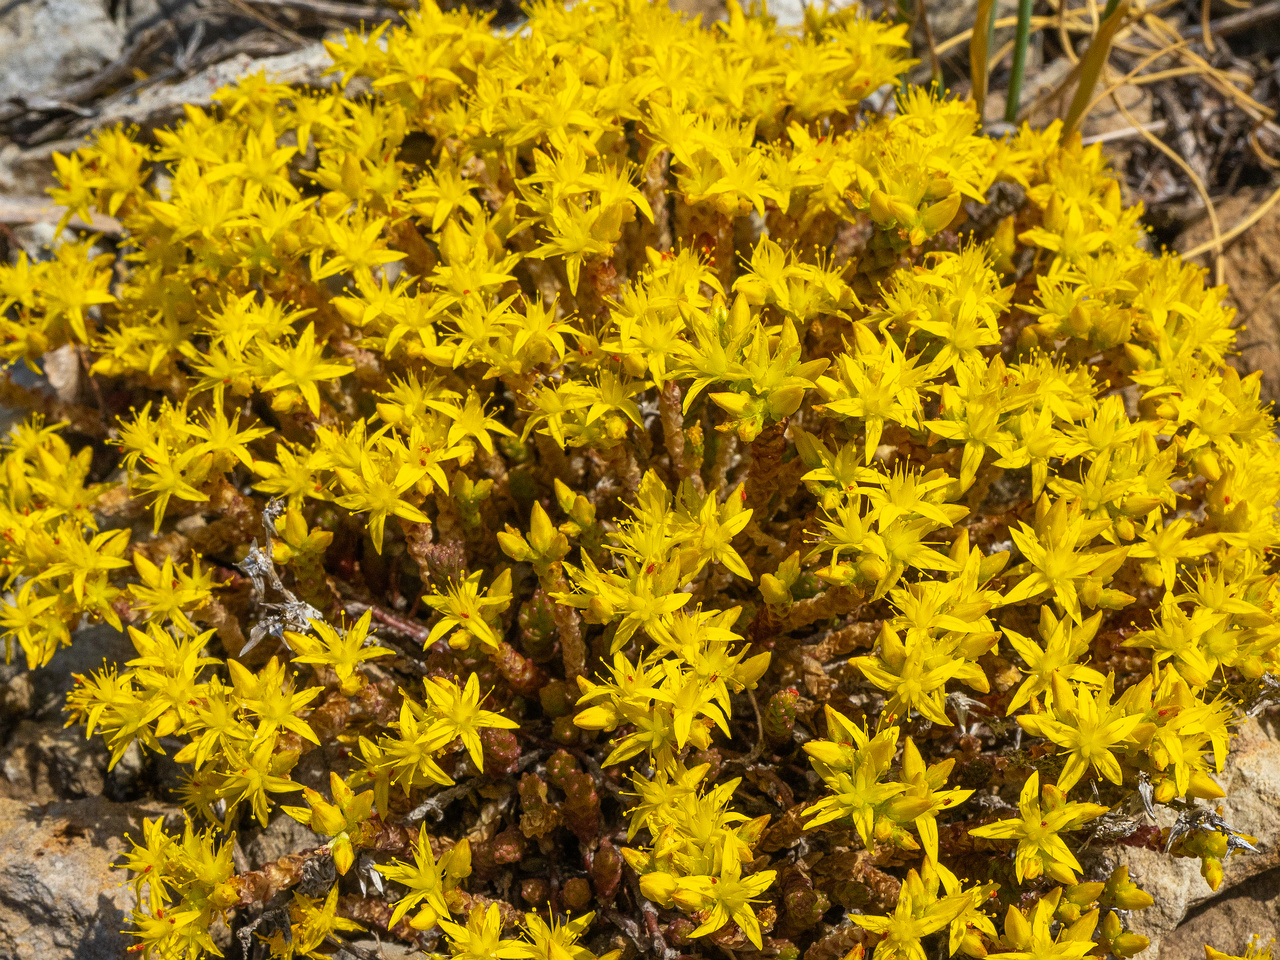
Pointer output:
x,y
23,210
408,628
350,12
1250,19
116,72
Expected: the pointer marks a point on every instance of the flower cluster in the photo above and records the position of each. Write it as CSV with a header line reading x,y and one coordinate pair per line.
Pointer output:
x,y
626,486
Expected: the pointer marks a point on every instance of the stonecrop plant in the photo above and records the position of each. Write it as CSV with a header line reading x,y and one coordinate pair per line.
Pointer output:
x,y
636,489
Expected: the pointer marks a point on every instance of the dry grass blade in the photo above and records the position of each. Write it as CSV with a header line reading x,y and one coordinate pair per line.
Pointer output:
x,y
1220,80
1133,76
979,49
347,12
1067,21
1263,157
1156,126
1064,36
1201,189
1091,66
1220,239
935,65
271,24
964,36
1259,304
1250,19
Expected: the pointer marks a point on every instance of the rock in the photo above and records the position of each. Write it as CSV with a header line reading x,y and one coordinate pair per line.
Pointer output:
x,y
315,765
384,949
1252,272
40,757
47,44
60,899
46,761
1230,922
789,13
124,781
91,649
163,103
16,692
29,172
42,210
62,370
709,10
1251,779
283,835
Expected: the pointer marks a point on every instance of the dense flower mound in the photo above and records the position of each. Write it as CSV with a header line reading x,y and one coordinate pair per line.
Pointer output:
x,y
631,487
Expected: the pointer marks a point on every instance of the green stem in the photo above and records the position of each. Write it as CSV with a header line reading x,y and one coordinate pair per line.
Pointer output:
x,y
1111,8
1020,44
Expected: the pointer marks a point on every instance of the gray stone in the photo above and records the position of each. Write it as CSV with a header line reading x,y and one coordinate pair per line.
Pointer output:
x,y
60,899
29,173
16,692
283,835
1251,779
1244,913
44,760
47,44
388,949
163,103
90,650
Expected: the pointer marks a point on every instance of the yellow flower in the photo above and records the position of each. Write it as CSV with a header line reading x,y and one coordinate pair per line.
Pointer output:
x,y
1040,849
1087,726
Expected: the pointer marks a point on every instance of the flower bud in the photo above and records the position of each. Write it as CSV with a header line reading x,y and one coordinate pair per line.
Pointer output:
x,y
1211,870
658,887
774,591
576,894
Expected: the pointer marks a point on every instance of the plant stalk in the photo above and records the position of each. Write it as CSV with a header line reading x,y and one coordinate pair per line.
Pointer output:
x,y
1091,65
1020,44
980,52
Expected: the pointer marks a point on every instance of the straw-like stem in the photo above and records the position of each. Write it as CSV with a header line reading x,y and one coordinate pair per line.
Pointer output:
x,y
1092,63
980,51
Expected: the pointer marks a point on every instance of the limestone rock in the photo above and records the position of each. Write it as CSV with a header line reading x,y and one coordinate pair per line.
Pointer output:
x,y
59,897
40,757
1229,923
282,836
47,761
91,649
1251,779
163,103
47,44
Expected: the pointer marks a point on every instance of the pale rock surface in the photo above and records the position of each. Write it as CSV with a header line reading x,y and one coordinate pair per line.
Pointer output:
x,y
1245,913
1251,779
47,44
60,899
155,104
